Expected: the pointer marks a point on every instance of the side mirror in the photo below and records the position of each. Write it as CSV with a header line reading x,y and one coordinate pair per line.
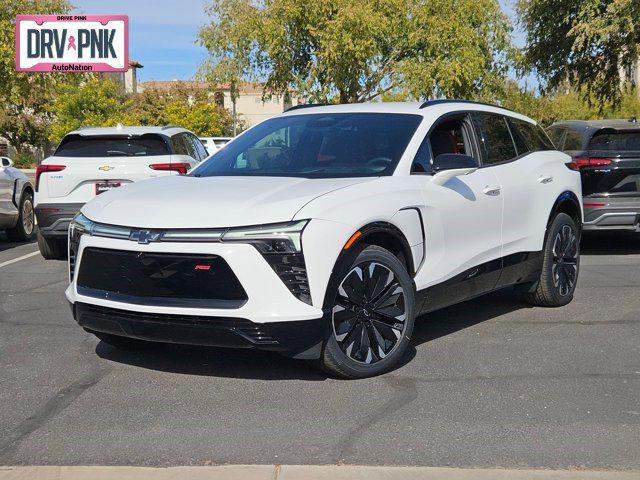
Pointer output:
x,y
448,165
7,162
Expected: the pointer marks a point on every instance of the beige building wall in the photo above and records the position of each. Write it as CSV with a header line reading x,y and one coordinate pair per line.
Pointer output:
x,y
251,109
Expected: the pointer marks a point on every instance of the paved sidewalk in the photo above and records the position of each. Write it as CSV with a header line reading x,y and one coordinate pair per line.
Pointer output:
x,y
302,472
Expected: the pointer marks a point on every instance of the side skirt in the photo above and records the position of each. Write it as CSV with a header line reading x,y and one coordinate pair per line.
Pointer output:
x,y
514,269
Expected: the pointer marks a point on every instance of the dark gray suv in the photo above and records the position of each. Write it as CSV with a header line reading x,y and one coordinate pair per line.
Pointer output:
x,y
607,154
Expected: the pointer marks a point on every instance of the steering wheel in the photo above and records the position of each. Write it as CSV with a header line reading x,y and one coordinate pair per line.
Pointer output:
x,y
379,161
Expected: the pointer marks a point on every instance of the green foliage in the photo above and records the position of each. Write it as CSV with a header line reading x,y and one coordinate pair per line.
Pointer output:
x,y
356,50
24,159
189,107
99,103
582,43
94,103
569,105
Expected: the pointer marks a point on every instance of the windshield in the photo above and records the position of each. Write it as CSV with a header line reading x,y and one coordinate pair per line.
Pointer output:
x,y
317,146
611,141
112,146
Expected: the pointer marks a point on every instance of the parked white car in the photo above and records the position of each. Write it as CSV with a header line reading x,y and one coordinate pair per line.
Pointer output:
x,y
90,161
213,144
16,203
322,233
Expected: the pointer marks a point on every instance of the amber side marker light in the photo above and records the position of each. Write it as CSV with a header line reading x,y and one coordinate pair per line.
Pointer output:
x,y
351,240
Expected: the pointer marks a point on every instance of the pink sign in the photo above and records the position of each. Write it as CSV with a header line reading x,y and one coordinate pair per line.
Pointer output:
x,y
72,43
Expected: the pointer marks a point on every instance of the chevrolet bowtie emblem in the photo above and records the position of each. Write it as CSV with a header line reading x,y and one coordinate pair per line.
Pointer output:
x,y
106,168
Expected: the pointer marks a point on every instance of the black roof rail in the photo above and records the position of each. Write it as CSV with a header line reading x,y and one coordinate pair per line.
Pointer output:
x,y
306,105
429,103
167,127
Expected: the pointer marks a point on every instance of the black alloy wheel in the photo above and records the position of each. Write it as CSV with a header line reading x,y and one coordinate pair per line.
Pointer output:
x,y
370,312
560,264
371,299
565,260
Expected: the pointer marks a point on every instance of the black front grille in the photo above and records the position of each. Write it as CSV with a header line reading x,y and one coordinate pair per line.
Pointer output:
x,y
162,279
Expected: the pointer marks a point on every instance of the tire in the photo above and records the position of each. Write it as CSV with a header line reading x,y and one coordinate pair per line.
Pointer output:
x,y
372,302
123,343
24,231
560,264
52,248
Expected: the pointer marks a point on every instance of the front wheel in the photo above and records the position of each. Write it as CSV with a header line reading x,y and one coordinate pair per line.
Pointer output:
x,y
560,264
372,304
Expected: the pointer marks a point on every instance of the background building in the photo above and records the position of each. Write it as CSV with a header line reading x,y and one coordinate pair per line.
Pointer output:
x,y
251,107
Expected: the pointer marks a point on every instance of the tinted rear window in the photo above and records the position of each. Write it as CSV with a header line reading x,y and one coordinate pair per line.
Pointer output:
x,y
112,146
616,141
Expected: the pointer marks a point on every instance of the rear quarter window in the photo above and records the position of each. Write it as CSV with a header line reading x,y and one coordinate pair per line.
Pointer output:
x,y
534,136
112,146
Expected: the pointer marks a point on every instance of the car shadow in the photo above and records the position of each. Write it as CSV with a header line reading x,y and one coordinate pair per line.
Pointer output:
x,y
214,362
610,243
261,365
6,244
457,317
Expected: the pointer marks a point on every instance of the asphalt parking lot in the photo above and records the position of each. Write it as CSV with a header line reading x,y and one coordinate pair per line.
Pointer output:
x,y
489,383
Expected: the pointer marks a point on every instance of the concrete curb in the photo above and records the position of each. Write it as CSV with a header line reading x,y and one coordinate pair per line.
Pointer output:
x,y
302,472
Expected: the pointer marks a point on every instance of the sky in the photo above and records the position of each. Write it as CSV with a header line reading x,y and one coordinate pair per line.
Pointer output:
x,y
162,34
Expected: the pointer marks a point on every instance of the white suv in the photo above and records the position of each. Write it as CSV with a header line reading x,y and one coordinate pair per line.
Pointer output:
x,y
322,233
90,161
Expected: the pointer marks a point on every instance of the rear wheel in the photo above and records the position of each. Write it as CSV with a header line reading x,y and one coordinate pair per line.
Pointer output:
x,y
560,265
373,307
52,248
25,228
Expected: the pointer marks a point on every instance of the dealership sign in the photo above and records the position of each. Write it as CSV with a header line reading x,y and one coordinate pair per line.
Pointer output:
x,y
72,43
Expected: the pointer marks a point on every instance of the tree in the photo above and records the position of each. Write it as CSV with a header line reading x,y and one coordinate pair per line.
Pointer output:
x,y
582,43
24,120
356,50
189,107
95,103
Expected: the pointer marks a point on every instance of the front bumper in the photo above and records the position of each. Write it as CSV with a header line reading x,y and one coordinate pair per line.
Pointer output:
x,y
54,218
611,213
299,339
271,310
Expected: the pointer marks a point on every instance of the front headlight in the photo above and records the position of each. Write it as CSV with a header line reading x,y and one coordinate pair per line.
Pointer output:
x,y
273,238
80,224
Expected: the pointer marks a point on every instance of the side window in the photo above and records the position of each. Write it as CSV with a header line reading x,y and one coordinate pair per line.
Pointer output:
x,y
572,141
179,145
494,137
450,135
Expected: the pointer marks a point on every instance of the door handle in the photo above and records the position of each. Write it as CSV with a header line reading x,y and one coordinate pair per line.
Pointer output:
x,y
491,191
543,179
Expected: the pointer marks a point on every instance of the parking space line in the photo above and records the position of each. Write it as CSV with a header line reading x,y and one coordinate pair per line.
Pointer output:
x,y
23,257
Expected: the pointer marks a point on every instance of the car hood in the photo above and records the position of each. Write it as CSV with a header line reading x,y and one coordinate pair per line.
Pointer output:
x,y
209,202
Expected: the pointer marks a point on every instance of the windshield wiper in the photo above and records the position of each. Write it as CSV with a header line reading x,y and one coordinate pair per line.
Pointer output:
x,y
113,153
